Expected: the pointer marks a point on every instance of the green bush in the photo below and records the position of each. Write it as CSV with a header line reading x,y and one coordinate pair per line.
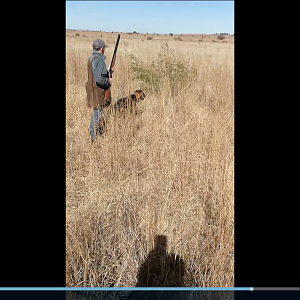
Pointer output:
x,y
166,66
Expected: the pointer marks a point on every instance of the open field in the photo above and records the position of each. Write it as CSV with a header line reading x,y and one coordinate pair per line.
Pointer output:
x,y
167,171
144,36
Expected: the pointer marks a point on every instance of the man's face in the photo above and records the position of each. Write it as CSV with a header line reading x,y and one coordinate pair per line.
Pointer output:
x,y
102,50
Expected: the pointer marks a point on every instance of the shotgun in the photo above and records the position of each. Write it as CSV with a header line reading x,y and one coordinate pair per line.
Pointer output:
x,y
112,64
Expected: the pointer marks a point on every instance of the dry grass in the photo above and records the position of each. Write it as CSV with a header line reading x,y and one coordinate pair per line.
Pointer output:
x,y
144,36
168,171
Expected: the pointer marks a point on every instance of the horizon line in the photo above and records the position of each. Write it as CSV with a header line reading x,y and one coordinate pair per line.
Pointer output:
x,y
144,32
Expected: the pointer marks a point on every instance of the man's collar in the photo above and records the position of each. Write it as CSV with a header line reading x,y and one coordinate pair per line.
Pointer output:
x,y
99,54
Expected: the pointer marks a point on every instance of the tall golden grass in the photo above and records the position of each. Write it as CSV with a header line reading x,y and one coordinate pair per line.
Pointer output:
x,y
167,171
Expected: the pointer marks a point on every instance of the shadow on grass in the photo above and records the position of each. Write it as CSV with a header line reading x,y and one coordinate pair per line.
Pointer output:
x,y
160,268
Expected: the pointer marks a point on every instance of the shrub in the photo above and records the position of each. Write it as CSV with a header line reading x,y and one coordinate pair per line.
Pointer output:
x,y
77,34
178,73
177,39
149,38
221,37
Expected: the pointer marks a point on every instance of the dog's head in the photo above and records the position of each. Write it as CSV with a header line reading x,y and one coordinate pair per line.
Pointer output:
x,y
140,95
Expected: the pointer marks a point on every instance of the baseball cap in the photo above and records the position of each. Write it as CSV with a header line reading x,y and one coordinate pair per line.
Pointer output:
x,y
97,44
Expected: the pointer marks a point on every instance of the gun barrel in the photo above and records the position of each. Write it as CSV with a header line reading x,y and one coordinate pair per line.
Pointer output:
x,y
113,60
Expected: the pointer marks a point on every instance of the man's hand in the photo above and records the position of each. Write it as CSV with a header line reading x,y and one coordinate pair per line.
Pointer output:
x,y
113,69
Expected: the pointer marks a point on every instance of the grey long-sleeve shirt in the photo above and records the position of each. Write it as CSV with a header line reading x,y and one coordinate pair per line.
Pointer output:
x,y
99,70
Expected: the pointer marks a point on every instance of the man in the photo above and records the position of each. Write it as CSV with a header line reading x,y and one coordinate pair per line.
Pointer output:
x,y
100,77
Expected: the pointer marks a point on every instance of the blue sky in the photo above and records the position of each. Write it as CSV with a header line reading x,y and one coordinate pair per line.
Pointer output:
x,y
151,16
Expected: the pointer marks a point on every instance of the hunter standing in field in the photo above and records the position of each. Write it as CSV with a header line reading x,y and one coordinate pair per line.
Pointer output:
x,y
98,82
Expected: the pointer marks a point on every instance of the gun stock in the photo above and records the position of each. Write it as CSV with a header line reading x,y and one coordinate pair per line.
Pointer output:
x,y
107,95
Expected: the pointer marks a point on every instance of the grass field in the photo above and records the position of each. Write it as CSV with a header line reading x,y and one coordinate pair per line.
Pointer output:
x,y
167,171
